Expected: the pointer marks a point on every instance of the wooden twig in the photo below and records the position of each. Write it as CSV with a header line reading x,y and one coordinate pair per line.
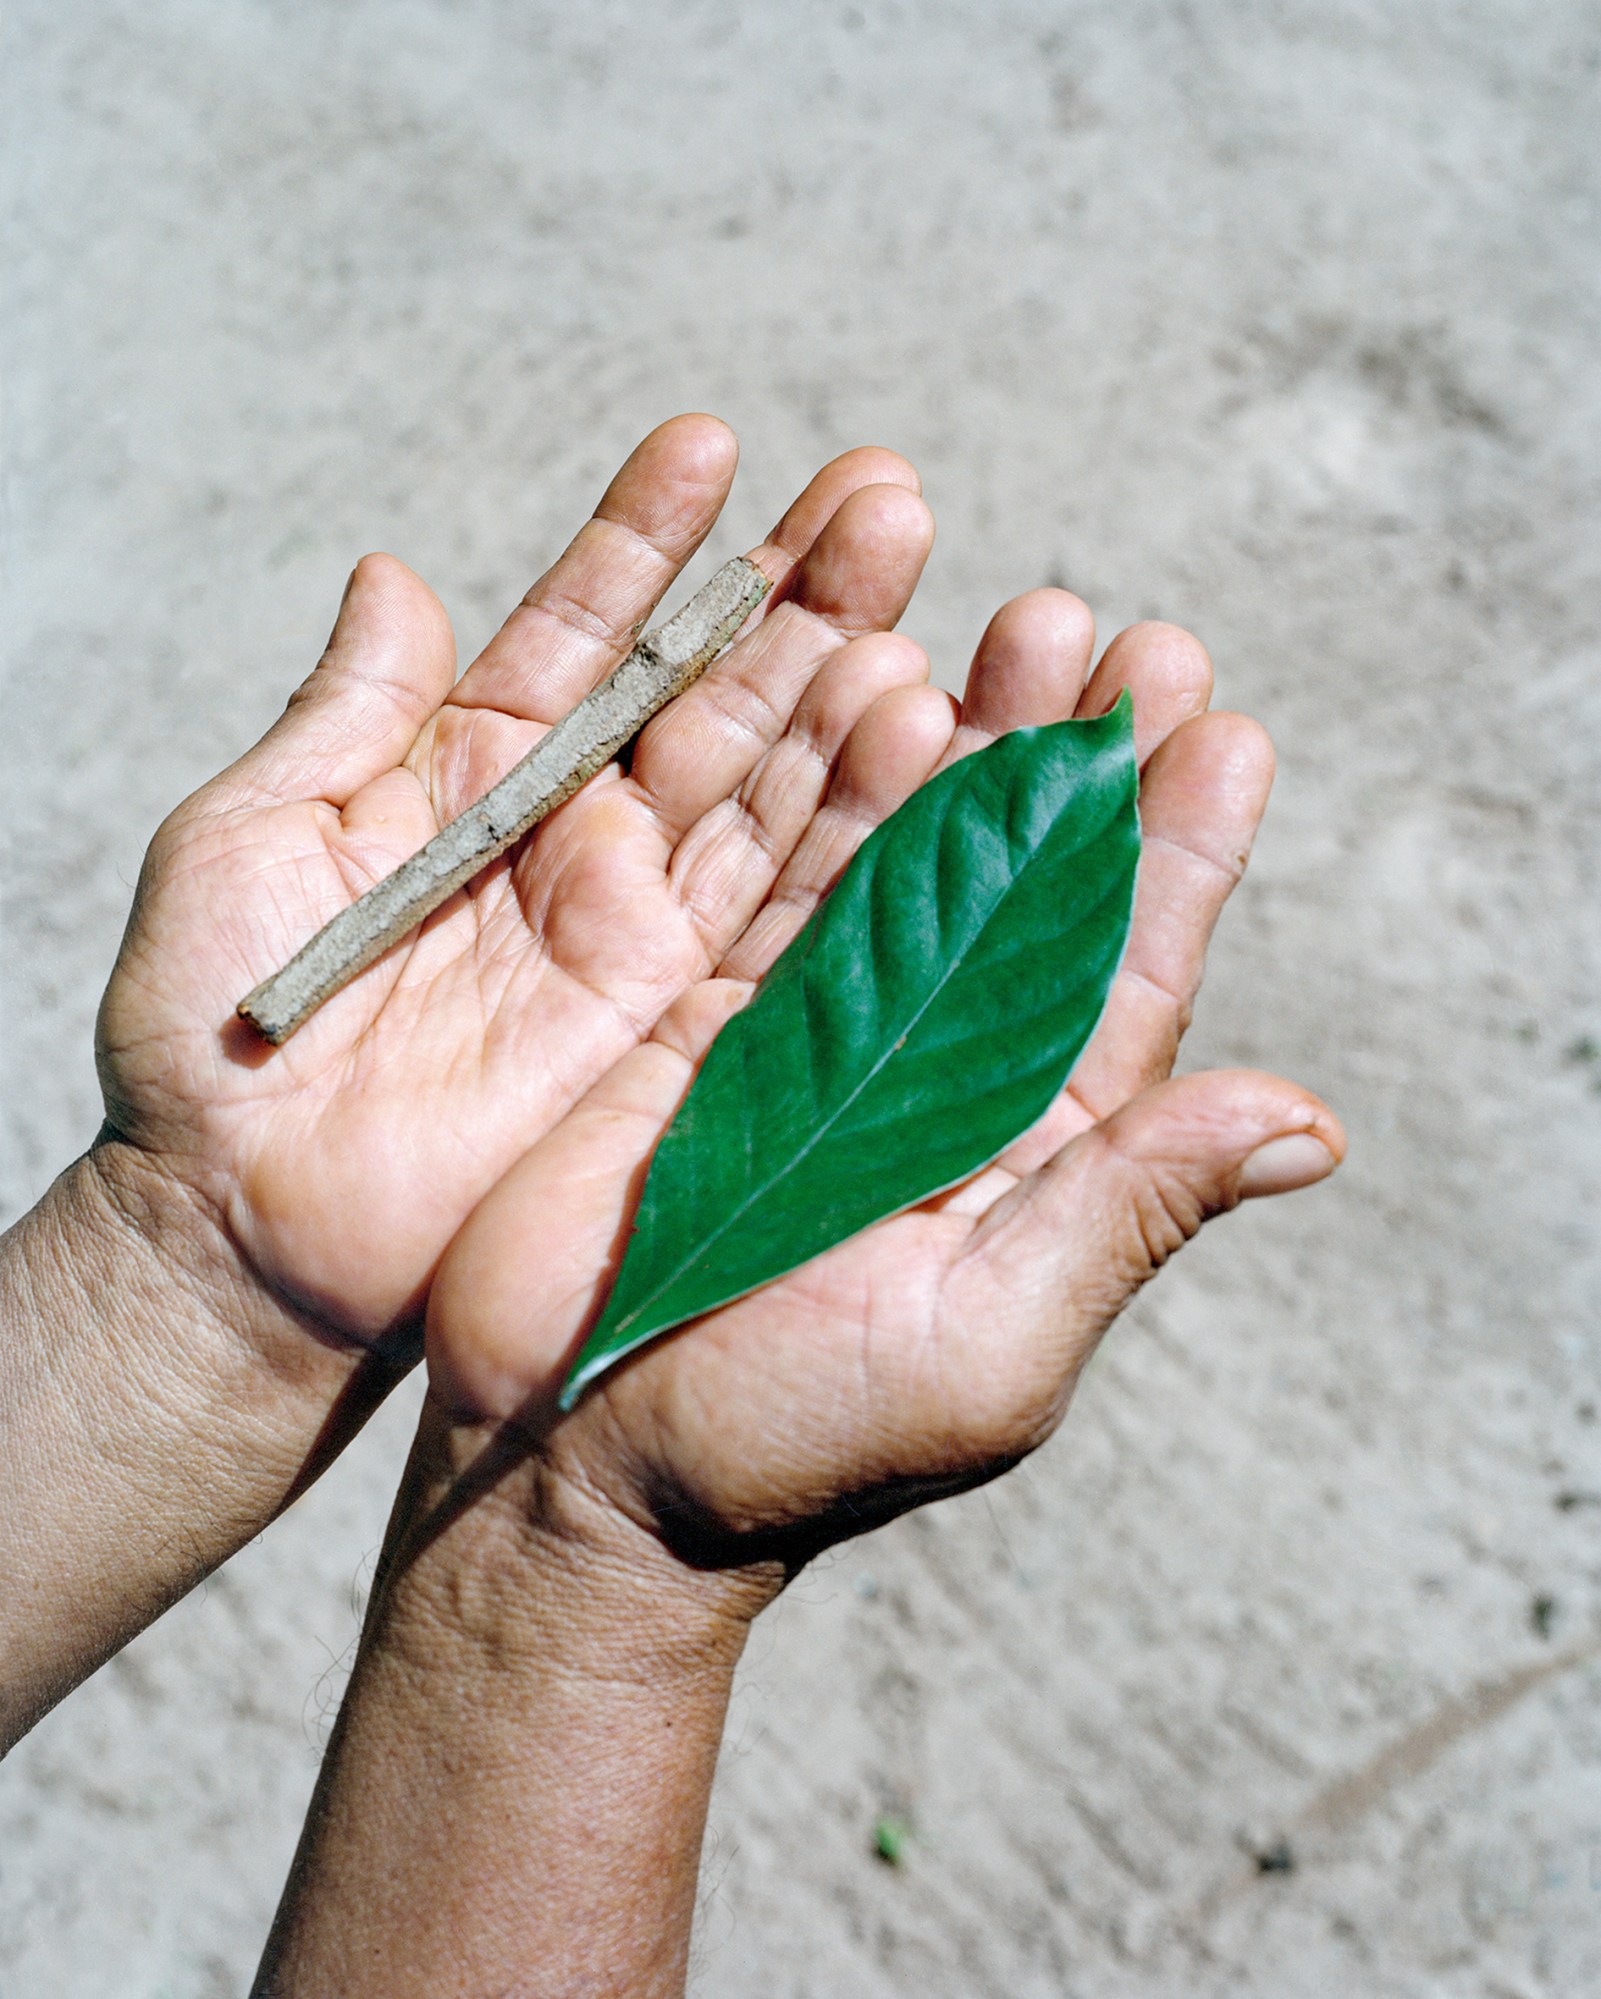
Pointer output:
x,y
663,664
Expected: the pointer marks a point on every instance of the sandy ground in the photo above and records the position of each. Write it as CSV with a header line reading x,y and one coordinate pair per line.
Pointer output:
x,y
1279,320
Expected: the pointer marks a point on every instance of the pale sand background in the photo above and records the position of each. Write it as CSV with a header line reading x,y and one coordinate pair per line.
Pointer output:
x,y
1276,319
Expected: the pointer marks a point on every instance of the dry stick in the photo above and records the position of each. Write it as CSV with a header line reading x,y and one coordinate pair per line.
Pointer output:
x,y
663,664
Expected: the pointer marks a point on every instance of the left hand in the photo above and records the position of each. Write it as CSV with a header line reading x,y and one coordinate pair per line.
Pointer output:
x,y
333,1171
203,1309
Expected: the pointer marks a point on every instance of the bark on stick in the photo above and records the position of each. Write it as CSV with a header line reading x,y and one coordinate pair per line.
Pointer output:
x,y
662,665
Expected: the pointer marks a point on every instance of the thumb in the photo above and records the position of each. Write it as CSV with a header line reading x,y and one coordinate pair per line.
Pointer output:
x,y
1087,1230
389,662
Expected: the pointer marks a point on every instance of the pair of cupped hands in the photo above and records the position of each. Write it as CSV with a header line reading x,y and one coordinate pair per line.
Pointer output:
x,y
450,1151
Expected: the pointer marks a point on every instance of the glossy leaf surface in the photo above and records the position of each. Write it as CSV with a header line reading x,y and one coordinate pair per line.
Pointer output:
x,y
926,1016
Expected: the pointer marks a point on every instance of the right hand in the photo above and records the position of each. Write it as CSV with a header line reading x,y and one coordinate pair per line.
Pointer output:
x,y
942,1345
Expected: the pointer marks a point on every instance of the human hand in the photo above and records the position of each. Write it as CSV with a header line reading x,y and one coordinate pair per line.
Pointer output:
x,y
942,1345
205,1307
535,1712
336,1169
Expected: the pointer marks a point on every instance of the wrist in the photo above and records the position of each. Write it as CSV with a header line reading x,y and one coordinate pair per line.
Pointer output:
x,y
150,1423
521,1556
531,1730
115,1317
196,1317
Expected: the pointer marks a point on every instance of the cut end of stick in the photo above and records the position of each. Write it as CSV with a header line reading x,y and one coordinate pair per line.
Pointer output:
x,y
256,1008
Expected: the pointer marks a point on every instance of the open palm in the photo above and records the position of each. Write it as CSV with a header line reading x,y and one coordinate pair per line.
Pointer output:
x,y
941,1345
335,1169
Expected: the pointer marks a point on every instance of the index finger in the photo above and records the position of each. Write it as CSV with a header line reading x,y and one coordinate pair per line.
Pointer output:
x,y
587,609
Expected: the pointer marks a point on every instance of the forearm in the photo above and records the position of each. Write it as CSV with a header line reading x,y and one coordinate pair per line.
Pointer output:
x,y
516,1793
152,1419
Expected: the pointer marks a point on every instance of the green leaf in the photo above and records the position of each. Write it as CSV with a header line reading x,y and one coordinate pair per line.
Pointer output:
x,y
927,1015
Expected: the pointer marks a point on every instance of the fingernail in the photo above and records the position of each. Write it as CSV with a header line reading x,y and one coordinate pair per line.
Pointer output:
x,y
1284,1164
